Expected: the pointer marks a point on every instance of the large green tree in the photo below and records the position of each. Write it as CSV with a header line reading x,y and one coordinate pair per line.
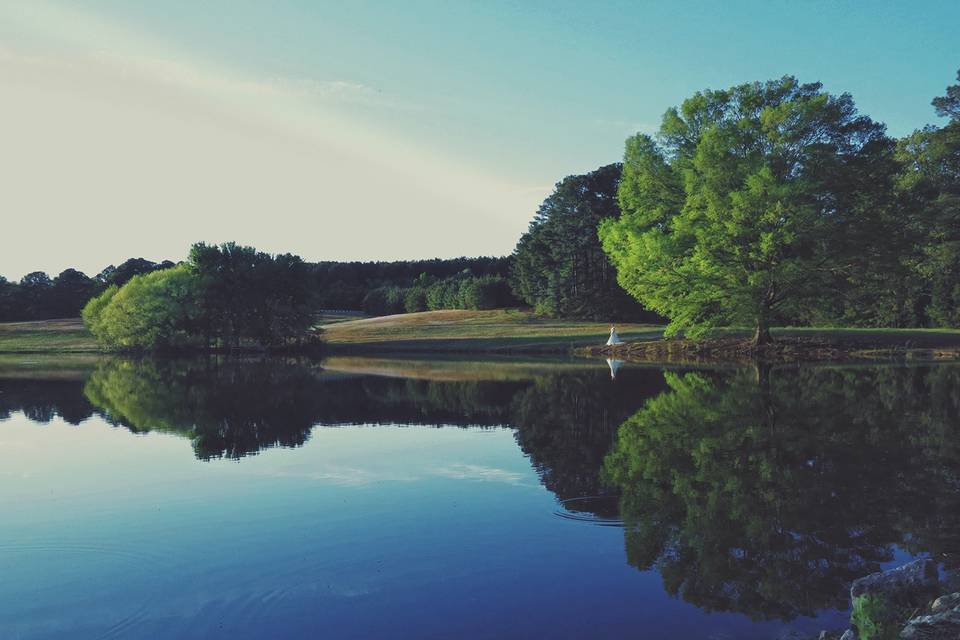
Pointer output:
x,y
559,267
756,204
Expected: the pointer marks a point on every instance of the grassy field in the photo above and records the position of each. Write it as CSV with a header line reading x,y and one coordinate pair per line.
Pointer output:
x,y
498,331
46,336
504,331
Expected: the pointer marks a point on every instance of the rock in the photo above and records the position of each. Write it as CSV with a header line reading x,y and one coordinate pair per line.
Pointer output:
x,y
849,634
833,635
939,626
945,603
909,583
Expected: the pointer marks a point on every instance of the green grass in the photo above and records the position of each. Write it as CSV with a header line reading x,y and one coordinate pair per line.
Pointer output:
x,y
516,331
47,336
501,330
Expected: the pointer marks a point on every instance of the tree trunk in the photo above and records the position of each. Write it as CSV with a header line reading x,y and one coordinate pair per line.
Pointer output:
x,y
762,336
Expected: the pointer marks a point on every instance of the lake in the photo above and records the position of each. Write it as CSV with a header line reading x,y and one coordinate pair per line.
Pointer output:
x,y
374,498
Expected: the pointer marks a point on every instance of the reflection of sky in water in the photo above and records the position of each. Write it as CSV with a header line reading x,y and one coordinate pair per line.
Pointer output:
x,y
362,532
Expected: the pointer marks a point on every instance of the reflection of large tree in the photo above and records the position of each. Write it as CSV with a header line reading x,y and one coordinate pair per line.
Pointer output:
x,y
566,423
767,493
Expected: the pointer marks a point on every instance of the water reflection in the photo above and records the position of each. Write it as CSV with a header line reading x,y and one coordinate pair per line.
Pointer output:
x,y
759,492
566,420
767,492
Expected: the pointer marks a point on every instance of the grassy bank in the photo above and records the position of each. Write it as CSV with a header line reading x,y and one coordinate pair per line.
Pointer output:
x,y
794,344
511,331
497,331
46,336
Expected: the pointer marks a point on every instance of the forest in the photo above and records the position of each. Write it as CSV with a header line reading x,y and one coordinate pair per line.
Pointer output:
x,y
768,203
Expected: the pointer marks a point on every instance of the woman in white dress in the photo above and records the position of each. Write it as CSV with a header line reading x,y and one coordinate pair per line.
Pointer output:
x,y
614,338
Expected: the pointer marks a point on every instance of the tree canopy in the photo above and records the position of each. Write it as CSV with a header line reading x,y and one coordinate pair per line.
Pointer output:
x,y
930,184
226,296
559,267
754,204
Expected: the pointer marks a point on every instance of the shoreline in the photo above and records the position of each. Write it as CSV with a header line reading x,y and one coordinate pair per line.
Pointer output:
x,y
509,333
781,351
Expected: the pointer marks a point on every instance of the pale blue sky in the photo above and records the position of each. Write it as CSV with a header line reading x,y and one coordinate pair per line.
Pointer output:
x,y
312,125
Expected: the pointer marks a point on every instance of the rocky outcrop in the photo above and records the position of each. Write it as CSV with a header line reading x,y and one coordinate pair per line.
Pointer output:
x,y
946,603
914,582
944,625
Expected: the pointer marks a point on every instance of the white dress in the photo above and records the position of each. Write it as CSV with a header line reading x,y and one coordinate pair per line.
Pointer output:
x,y
614,338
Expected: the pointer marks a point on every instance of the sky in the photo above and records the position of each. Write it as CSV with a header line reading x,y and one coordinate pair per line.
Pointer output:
x,y
384,130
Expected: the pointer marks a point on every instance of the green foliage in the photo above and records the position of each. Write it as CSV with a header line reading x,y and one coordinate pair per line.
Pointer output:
x,y
225,297
755,206
152,311
874,618
558,265
929,182
249,297
227,409
767,491
462,291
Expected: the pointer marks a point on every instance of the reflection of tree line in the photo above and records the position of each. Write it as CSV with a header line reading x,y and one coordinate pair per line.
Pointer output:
x,y
768,496
566,421
763,493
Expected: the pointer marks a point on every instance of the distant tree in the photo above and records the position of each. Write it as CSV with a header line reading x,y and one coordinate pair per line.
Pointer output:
x,y
760,203
8,300
70,292
33,297
344,285
559,267
415,299
128,269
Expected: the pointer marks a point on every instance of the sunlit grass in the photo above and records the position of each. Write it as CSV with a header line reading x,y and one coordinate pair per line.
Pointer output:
x,y
501,330
46,336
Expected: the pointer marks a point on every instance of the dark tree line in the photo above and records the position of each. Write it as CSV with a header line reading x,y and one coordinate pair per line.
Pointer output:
x,y
374,287
346,285
559,267
461,291
37,296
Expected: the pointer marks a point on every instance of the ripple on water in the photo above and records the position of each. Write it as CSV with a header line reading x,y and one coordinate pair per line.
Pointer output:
x,y
127,554
601,511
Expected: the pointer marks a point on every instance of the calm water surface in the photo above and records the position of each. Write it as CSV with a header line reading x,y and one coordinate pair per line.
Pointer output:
x,y
400,499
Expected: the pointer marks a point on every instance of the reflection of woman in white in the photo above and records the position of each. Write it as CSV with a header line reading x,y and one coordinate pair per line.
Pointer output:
x,y
614,367
614,338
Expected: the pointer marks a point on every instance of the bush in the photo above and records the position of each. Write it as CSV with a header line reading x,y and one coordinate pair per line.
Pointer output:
x,y
384,301
874,618
415,299
152,311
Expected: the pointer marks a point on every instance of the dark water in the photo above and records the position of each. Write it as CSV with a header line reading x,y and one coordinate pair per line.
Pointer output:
x,y
378,499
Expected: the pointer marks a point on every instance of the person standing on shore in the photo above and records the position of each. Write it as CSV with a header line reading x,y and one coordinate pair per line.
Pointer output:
x,y
614,337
